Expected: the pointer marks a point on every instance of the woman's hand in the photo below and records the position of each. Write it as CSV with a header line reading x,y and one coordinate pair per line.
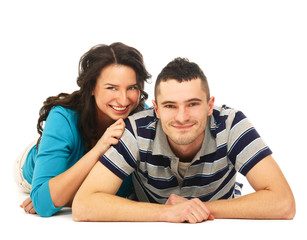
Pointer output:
x,y
110,136
27,205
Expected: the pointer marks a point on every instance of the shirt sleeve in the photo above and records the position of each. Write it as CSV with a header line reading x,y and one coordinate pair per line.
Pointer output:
x,y
246,147
122,158
53,156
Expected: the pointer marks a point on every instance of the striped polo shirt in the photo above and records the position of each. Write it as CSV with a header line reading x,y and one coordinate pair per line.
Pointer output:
x,y
231,144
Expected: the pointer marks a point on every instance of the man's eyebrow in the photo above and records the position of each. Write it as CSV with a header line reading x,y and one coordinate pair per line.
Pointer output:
x,y
187,101
168,102
194,100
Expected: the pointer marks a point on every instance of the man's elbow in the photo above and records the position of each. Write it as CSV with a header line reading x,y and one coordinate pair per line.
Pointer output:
x,y
288,207
79,213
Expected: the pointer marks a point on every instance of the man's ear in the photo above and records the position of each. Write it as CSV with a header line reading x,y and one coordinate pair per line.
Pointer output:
x,y
211,106
155,107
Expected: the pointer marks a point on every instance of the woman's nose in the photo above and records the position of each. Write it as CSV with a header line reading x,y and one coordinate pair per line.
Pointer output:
x,y
122,98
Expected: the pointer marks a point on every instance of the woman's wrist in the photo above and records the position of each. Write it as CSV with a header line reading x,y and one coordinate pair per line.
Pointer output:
x,y
94,153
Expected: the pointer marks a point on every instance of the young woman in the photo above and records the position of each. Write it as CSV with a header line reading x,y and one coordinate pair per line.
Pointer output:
x,y
79,127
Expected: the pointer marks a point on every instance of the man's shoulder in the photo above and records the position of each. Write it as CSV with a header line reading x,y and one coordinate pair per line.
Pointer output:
x,y
223,113
143,118
142,124
224,110
225,117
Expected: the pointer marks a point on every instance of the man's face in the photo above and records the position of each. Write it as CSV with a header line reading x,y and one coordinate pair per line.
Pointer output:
x,y
183,109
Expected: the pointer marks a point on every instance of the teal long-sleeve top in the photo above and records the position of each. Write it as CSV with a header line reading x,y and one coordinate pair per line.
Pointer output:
x,y
60,148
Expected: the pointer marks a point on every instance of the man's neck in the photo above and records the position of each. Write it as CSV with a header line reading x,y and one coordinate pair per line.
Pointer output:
x,y
186,153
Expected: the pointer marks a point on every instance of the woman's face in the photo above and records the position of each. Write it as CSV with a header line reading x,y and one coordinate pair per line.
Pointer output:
x,y
116,93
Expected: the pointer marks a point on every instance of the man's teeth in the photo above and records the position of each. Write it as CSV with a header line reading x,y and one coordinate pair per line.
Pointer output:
x,y
119,108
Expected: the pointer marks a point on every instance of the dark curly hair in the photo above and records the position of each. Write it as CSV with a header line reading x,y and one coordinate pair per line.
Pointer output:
x,y
82,101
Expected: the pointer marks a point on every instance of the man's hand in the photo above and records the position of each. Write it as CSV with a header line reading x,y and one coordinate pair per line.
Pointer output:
x,y
175,199
184,210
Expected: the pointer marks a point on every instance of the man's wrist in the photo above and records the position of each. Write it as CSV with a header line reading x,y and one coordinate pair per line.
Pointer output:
x,y
163,213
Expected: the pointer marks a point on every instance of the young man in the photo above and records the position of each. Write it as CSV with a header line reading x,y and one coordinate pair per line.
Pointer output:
x,y
185,154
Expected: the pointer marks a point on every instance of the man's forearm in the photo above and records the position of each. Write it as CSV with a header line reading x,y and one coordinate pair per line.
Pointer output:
x,y
272,199
108,208
262,204
95,201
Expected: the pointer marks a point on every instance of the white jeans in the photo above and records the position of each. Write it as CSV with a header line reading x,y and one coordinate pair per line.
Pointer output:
x,y
18,172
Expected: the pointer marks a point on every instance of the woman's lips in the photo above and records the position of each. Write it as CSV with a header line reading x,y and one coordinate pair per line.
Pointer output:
x,y
120,110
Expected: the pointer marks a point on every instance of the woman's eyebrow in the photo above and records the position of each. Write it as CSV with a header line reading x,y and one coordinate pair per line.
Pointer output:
x,y
110,84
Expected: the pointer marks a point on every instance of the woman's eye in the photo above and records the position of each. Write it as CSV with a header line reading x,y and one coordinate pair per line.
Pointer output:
x,y
111,88
133,88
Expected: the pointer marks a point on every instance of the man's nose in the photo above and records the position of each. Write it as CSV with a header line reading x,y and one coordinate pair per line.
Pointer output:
x,y
182,115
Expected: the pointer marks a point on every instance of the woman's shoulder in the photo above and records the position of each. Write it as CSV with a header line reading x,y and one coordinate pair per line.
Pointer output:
x,y
66,112
62,121
63,116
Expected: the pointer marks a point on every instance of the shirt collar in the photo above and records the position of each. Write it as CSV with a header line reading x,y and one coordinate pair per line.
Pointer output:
x,y
161,145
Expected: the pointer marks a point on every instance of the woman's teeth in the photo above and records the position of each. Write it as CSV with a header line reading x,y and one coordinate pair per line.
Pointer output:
x,y
119,108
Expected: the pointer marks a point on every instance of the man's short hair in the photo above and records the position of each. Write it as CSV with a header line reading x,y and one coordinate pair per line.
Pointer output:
x,y
181,69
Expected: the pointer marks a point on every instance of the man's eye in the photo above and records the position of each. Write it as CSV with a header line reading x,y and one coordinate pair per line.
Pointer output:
x,y
193,104
169,106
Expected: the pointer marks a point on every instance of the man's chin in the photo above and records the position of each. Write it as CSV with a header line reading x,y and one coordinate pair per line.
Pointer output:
x,y
183,141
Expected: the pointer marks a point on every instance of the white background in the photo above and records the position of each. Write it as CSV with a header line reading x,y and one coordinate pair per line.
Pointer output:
x,y
254,54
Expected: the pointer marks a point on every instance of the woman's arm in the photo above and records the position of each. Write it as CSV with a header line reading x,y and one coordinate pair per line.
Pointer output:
x,y
56,178
64,186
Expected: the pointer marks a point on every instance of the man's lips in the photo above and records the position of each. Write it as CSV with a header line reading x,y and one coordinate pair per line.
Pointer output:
x,y
183,127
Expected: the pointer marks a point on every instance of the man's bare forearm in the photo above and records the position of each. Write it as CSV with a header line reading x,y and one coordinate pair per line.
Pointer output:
x,y
109,208
262,204
106,207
